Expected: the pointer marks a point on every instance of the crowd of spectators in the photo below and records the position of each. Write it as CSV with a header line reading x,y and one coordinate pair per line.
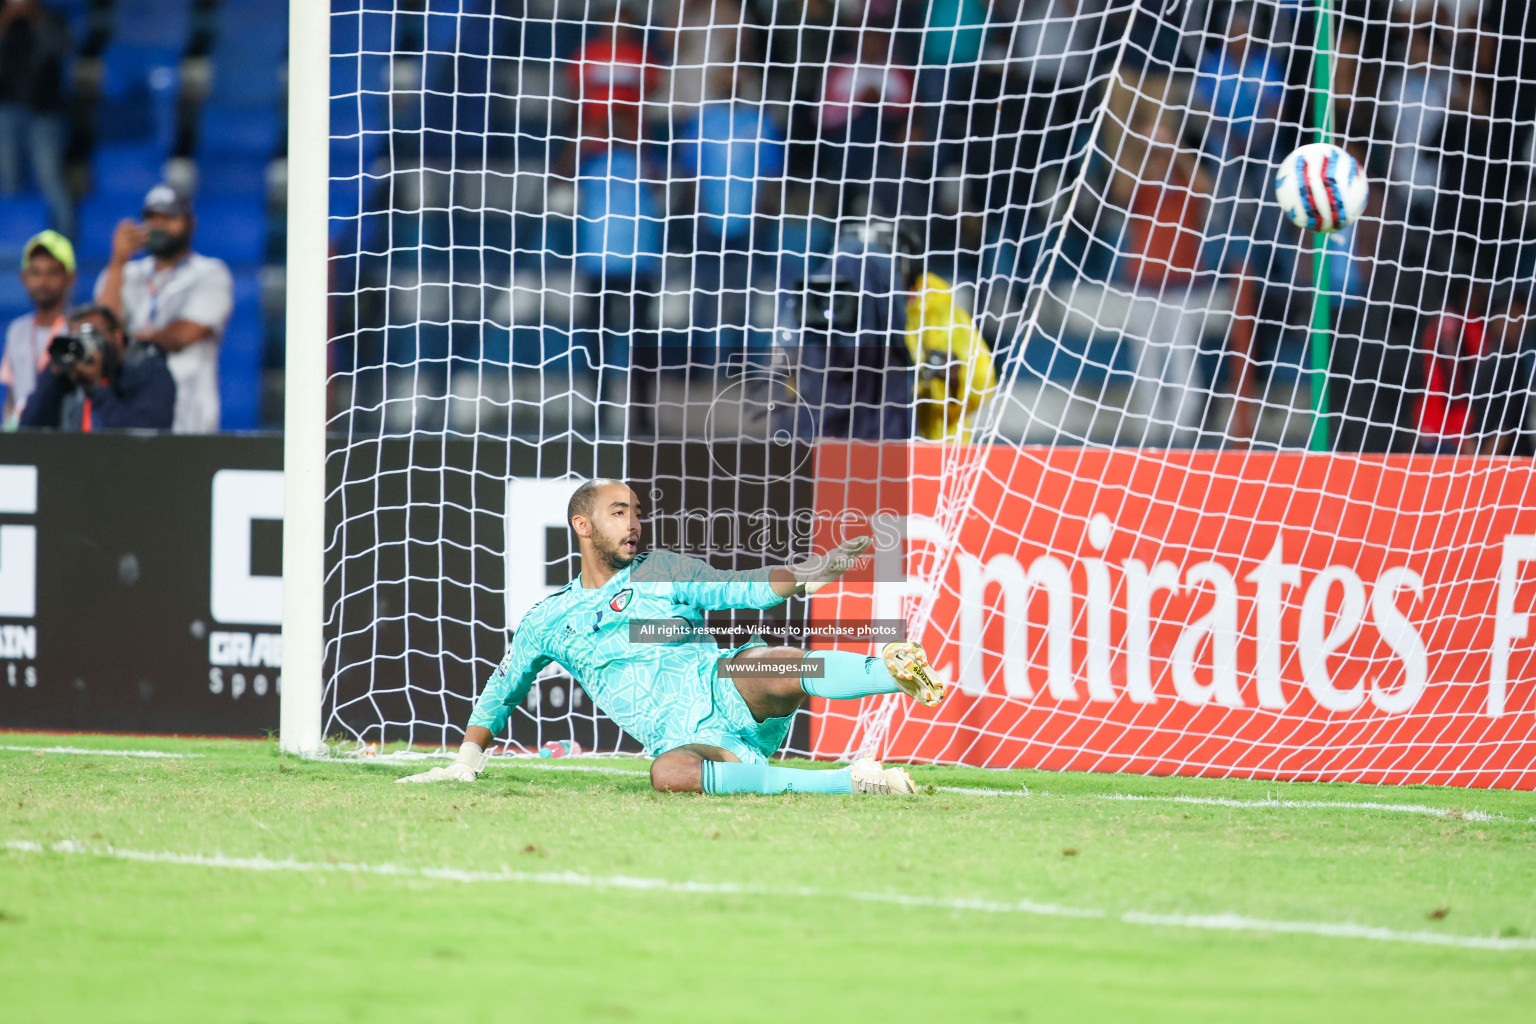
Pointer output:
x,y
143,353
714,147
704,134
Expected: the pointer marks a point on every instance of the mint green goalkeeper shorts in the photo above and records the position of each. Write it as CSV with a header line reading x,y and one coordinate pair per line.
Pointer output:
x,y
730,724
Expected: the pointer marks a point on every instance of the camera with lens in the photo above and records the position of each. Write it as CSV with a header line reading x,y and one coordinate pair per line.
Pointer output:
x,y
935,366
829,306
68,351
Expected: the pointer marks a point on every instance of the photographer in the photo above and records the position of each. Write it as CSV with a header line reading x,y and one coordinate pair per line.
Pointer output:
x,y
858,328
841,338
98,381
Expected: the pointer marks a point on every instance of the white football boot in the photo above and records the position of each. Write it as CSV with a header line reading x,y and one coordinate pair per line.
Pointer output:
x,y
908,664
868,777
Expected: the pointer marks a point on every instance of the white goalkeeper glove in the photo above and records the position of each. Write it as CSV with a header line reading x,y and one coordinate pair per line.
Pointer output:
x,y
819,570
465,768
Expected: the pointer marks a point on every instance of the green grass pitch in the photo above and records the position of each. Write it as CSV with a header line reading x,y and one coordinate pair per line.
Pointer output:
x,y
234,884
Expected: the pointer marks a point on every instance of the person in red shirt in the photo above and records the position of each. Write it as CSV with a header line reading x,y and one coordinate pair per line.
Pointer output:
x,y
1476,375
612,78
1166,195
866,107
1503,389
1452,346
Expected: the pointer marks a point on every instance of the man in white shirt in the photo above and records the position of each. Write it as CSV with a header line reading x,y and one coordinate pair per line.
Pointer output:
x,y
48,273
174,298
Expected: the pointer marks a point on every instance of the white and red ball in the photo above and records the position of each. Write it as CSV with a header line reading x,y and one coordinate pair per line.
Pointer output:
x,y
1321,187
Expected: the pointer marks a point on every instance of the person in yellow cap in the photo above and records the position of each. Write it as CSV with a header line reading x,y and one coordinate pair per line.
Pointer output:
x,y
48,273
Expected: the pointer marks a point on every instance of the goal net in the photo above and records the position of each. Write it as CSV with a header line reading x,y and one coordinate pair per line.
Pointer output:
x,y
1163,482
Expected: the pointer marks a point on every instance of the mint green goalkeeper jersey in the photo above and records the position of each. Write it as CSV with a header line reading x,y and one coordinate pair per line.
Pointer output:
x,y
661,694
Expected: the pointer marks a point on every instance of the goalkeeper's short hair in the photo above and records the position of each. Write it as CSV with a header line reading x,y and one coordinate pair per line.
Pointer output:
x,y
581,502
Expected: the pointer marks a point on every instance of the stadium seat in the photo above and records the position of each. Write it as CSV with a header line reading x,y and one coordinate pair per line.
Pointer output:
x,y
250,131
127,67
232,174
240,368
157,23
247,82
21,217
233,229
86,273
463,28
138,95
251,30
99,214
252,42
13,297
247,287
127,170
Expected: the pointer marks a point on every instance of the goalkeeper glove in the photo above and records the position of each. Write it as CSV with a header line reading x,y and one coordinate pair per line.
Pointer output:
x,y
465,768
819,570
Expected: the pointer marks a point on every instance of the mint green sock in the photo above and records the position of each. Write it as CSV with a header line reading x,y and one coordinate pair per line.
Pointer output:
x,y
735,777
848,676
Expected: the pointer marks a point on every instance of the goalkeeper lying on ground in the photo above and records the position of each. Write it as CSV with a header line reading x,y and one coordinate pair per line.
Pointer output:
x,y
710,732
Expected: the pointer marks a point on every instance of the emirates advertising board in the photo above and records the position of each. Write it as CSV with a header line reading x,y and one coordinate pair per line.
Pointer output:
x,y
1268,615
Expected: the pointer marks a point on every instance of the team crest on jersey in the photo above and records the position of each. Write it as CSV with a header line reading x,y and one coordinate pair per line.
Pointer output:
x,y
621,600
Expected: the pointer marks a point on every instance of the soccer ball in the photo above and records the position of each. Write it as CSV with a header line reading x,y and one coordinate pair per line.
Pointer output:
x,y
1321,187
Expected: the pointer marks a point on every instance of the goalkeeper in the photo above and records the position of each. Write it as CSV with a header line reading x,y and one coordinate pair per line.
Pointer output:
x,y
711,731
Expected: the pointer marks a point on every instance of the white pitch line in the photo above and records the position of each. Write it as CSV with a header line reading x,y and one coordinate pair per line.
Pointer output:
x,y
1237,923
558,766
104,753
1269,803
1205,922
1351,805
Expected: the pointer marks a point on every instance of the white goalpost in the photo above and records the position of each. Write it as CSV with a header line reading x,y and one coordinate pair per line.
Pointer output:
x,y
1181,487
304,393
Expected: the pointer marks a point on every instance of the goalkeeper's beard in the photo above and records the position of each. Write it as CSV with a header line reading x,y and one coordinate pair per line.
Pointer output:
x,y
615,555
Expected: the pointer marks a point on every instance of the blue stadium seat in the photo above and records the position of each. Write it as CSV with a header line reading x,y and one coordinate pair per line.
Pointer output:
x,y
231,174
160,23
252,131
86,273
127,67
247,287
249,52
77,14
99,214
13,297
240,364
243,80
138,96
21,217
252,29
127,170
350,157
233,229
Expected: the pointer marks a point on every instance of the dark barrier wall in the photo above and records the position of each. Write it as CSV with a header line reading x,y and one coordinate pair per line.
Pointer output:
x,y
115,613
141,588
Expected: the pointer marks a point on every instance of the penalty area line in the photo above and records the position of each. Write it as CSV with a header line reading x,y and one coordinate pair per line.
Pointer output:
x,y
1268,803
1201,922
104,753
1348,805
